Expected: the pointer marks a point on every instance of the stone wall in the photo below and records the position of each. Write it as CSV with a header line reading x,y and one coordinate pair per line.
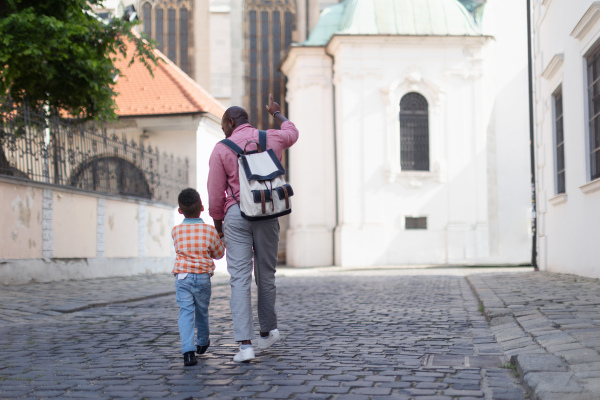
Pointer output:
x,y
52,233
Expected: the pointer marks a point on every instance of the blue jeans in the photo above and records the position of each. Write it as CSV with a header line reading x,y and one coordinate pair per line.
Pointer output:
x,y
193,297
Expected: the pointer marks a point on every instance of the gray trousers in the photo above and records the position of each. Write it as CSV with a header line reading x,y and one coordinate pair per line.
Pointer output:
x,y
246,240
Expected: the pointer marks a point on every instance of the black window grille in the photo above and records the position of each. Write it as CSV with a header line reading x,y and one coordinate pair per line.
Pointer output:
x,y
593,64
147,15
414,133
160,29
415,222
269,34
560,143
184,61
172,35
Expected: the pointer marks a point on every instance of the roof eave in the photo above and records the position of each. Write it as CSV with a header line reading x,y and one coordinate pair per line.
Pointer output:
x,y
337,36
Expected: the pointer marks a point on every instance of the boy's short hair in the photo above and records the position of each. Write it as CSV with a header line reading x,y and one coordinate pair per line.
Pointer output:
x,y
189,202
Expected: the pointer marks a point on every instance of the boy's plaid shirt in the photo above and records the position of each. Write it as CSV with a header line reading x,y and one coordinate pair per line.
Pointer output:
x,y
196,245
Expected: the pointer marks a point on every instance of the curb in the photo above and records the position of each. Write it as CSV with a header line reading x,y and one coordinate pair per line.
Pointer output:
x,y
544,375
68,310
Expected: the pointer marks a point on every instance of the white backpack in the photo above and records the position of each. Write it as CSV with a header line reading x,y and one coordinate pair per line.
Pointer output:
x,y
264,194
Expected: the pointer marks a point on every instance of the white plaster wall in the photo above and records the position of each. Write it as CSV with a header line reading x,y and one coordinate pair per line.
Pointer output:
x,y
311,170
507,126
238,66
81,235
569,225
121,229
200,53
21,222
157,226
74,225
220,51
208,134
191,137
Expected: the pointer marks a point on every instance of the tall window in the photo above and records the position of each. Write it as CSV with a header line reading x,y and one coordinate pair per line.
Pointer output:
x,y
594,112
160,28
147,15
184,61
268,32
560,142
253,67
414,133
171,35
171,29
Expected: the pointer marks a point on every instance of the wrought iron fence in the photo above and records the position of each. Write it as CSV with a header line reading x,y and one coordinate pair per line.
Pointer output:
x,y
87,156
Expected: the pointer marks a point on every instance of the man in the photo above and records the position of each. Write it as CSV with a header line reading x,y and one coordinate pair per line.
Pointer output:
x,y
245,240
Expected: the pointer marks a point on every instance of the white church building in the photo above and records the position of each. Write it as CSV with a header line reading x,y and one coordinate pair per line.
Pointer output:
x,y
414,143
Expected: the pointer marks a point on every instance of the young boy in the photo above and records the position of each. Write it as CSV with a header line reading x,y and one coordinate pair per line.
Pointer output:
x,y
196,244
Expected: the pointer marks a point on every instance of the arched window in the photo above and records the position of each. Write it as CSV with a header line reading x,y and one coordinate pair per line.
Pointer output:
x,y
184,61
268,33
111,174
147,16
414,133
160,28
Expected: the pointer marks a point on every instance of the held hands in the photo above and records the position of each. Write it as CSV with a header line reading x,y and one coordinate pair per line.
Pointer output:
x,y
272,107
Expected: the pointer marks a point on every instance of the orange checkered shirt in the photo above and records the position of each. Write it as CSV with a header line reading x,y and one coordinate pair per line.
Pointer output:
x,y
196,245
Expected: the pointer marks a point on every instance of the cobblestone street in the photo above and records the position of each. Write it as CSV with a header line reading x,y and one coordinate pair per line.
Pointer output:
x,y
346,336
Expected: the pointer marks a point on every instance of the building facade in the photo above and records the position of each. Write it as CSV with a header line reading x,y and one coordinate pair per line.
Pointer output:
x,y
414,118
232,48
566,39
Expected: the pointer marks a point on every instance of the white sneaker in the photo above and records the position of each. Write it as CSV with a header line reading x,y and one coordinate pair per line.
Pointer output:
x,y
244,355
268,341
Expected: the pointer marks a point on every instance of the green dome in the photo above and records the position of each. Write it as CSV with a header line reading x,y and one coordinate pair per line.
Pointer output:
x,y
393,17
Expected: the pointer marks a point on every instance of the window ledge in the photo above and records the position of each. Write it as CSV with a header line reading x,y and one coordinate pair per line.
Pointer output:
x,y
412,179
588,21
554,66
558,199
591,187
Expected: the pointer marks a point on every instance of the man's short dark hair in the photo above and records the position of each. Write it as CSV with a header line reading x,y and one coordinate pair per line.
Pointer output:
x,y
189,202
238,115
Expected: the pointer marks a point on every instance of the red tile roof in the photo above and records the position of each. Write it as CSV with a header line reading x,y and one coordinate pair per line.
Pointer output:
x,y
171,91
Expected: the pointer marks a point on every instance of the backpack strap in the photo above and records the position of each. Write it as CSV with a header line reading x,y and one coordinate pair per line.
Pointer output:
x,y
234,147
262,140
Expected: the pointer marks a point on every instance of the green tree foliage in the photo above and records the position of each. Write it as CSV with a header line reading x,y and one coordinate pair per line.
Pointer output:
x,y
58,54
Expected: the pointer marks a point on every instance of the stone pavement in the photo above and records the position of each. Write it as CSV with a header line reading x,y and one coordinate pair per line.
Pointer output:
x,y
550,325
347,334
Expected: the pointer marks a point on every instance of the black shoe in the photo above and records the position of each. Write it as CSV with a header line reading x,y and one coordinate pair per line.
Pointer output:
x,y
202,349
189,359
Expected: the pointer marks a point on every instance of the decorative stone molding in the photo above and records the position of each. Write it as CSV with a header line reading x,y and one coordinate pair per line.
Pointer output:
x,y
558,199
465,74
413,81
100,228
588,21
354,73
142,229
311,80
167,3
47,207
591,187
554,66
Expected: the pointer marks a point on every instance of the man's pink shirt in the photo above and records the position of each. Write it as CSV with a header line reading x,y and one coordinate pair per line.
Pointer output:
x,y
223,164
